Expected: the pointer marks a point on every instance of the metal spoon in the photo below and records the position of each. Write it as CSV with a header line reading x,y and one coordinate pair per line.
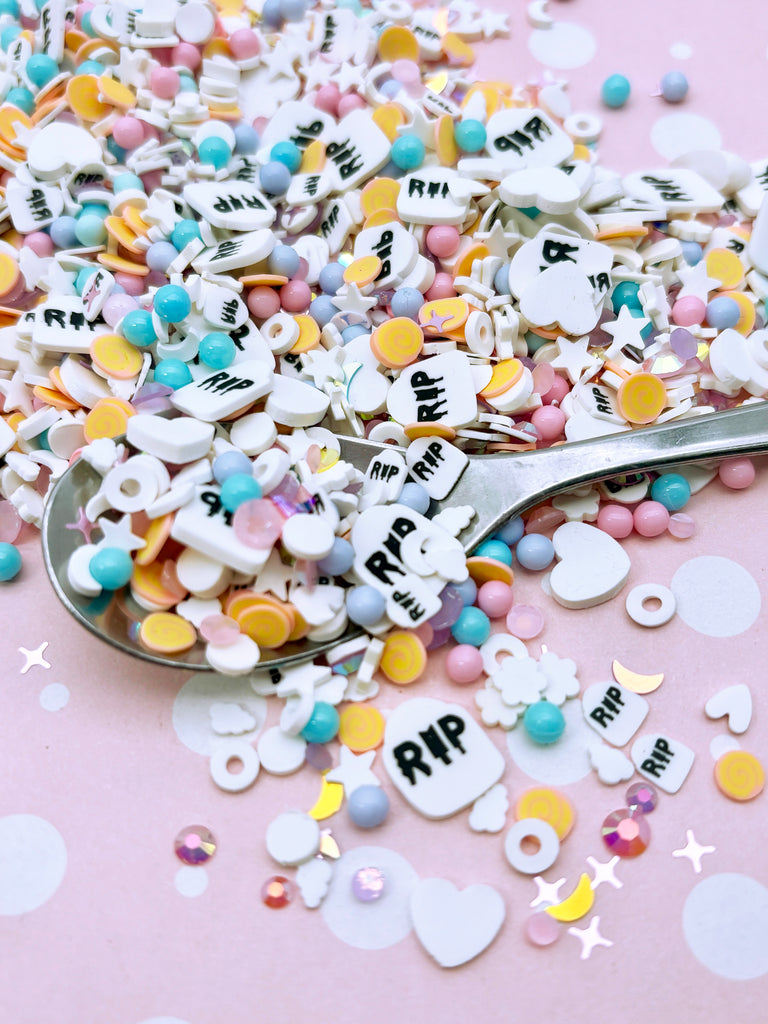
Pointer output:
x,y
497,486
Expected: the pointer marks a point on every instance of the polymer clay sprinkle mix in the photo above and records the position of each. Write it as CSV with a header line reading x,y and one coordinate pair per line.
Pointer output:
x,y
229,276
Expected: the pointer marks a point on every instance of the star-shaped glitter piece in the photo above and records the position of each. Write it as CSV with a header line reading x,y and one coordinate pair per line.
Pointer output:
x,y
436,321
421,126
274,577
589,937
316,74
17,396
325,366
300,680
572,356
499,240
83,524
32,266
352,300
296,443
353,770
349,76
494,23
693,851
604,872
118,535
548,892
34,657
58,280
625,330
133,67
696,281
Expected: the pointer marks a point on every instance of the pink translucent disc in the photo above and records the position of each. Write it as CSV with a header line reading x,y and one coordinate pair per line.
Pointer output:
x,y
525,621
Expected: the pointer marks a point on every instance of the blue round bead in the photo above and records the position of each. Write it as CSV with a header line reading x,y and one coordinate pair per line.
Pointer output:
x,y
511,531
8,35
90,67
339,560
237,489
184,232
174,373
126,180
470,135
9,7
217,351
214,150
534,342
187,82
414,496
501,280
723,312
323,310
90,229
41,68
407,302
275,178
331,278
495,549
284,260
160,255
172,303
408,152
323,723
472,627
287,153
674,86
544,722
692,253
365,605
10,562
626,294
353,331
137,327
292,10
229,463
82,278
390,88
271,13
246,139
535,551
672,491
21,98
467,591
615,91
111,567
368,806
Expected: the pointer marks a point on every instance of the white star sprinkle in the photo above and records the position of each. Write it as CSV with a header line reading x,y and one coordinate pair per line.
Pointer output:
x,y
34,657
693,850
589,938
118,535
549,892
625,330
604,872
696,281
572,356
353,771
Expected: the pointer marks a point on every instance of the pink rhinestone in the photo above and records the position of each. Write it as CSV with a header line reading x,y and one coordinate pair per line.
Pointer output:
x,y
195,844
277,892
626,833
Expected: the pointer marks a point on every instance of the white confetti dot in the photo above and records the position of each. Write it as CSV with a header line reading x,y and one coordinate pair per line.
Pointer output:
x,y
54,697
716,596
563,762
563,45
190,881
378,924
723,745
725,923
681,51
33,860
676,134
192,708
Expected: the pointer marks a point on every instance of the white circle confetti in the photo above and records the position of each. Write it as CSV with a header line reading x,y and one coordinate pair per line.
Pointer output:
x,y
725,923
676,134
192,709
191,881
681,51
571,762
54,697
716,596
378,924
563,45
33,860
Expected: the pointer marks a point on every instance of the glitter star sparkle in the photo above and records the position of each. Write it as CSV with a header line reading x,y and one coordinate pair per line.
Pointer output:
x,y
34,657
604,872
549,892
83,524
693,851
589,938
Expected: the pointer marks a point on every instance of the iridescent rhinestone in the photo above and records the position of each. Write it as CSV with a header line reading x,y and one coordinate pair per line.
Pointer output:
x,y
642,796
195,844
626,832
277,892
368,884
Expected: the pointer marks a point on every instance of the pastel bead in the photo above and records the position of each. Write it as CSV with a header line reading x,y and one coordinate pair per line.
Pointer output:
x,y
615,520
672,490
111,567
688,311
237,489
651,519
736,473
323,723
615,91
534,551
544,722
368,806
472,627
673,86
10,562
443,240
464,664
495,598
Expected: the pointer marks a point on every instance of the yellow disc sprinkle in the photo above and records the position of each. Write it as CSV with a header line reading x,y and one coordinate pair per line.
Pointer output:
x,y
746,321
548,805
725,266
56,399
381,193
414,430
122,233
122,265
309,334
361,728
83,97
363,271
441,316
381,217
739,775
108,418
9,274
463,265
266,624
157,534
397,342
398,43
641,398
445,141
504,375
389,117
116,356
167,633
483,569
114,92
313,157
459,53
404,658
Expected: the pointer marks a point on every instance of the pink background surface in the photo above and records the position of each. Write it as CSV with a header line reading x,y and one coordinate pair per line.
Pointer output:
x,y
118,943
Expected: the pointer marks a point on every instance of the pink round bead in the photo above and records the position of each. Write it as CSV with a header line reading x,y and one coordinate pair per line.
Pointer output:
x,y
295,296
464,664
688,311
443,240
128,132
117,306
543,378
244,43
40,243
494,598
219,629
681,525
10,522
737,473
164,83
651,519
525,621
542,930
133,284
442,288
263,302
186,55
80,10
549,421
258,523
615,520
351,101
557,392
406,72
327,98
